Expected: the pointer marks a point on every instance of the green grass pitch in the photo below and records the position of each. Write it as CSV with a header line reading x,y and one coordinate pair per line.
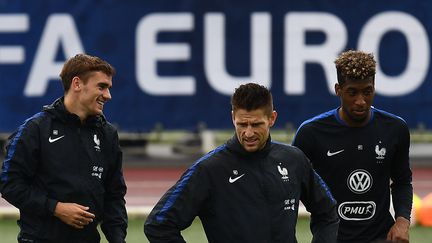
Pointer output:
x,y
195,234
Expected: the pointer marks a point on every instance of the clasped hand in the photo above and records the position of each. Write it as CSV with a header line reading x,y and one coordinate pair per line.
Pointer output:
x,y
73,214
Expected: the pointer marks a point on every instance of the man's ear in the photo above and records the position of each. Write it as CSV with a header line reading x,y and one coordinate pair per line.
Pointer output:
x,y
76,83
337,88
232,117
273,118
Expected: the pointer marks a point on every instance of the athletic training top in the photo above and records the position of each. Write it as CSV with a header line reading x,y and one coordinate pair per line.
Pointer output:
x,y
246,197
359,164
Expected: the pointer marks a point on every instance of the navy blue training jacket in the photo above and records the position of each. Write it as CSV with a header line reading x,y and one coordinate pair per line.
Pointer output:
x,y
52,158
245,197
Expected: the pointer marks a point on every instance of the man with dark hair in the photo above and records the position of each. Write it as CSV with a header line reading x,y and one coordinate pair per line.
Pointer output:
x,y
248,189
63,166
361,152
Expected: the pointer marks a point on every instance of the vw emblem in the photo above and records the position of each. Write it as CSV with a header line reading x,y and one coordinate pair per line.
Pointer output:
x,y
359,181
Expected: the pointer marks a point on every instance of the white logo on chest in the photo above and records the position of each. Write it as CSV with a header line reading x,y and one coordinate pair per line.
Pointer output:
x,y
97,171
380,152
359,181
284,172
234,179
329,154
52,140
97,142
290,204
55,133
357,210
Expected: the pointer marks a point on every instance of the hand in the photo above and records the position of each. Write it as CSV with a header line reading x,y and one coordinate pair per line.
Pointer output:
x,y
399,231
73,214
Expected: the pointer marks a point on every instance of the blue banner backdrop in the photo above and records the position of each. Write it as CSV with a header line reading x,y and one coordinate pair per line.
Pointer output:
x,y
178,61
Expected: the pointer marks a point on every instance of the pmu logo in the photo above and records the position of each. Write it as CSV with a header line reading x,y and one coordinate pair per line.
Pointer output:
x,y
359,181
355,211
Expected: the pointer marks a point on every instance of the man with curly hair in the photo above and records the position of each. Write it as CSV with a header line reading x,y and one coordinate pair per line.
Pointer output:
x,y
362,153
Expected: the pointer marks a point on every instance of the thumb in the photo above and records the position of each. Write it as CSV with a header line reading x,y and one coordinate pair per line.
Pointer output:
x,y
389,236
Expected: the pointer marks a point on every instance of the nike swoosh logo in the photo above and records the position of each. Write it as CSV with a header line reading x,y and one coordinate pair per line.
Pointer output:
x,y
329,154
232,180
52,140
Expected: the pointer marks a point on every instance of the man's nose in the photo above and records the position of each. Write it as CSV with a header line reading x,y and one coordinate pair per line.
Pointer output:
x,y
249,131
107,94
360,101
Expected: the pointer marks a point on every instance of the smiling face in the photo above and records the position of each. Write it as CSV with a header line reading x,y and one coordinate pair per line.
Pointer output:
x,y
253,127
90,96
356,100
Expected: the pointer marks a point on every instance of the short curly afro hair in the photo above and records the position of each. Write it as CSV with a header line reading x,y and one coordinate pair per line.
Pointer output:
x,y
355,65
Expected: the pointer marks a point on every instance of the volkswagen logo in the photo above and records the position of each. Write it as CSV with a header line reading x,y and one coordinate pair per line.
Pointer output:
x,y
359,181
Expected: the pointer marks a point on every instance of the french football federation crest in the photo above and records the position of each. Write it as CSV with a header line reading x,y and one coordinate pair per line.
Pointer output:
x,y
284,172
97,142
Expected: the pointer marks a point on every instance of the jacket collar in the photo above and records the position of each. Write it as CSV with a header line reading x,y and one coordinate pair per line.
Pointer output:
x,y
234,145
58,110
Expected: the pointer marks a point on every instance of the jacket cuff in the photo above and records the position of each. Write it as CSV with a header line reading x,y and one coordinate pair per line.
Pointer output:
x,y
115,236
116,240
51,205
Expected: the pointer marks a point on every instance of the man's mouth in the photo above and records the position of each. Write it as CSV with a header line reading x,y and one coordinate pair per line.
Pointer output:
x,y
359,112
250,142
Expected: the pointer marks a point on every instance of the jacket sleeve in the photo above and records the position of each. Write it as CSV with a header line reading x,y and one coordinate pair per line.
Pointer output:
x,y
304,140
177,209
19,171
401,176
115,219
318,200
